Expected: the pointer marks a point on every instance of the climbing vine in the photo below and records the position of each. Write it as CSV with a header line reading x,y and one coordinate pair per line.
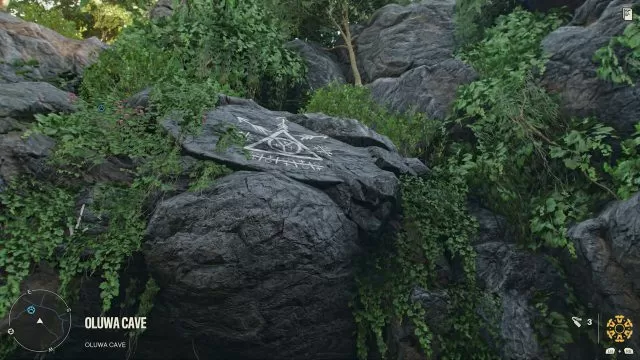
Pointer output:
x,y
435,225
623,70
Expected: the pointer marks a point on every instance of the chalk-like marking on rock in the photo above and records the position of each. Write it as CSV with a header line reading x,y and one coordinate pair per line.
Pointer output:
x,y
323,150
280,147
257,128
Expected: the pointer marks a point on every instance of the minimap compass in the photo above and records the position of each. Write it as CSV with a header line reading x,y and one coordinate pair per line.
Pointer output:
x,y
39,320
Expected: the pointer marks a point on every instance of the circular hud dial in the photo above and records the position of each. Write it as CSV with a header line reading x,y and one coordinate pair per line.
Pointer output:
x,y
40,320
619,328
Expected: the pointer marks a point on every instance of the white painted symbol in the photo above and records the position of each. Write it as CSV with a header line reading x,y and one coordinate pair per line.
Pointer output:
x,y
280,147
39,321
10,331
322,150
311,137
257,128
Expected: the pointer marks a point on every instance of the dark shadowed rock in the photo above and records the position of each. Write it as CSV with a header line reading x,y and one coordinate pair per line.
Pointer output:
x,y
32,52
391,161
546,5
417,165
258,266
349,131
21,101
162,9
139,100
589,12
271,142
24,156
427,89
322,68
571,70
399,38
607,272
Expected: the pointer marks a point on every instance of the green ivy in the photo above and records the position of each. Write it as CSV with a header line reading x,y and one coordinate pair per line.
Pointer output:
x,y
552,329
625,174
627,69
34,222
435,224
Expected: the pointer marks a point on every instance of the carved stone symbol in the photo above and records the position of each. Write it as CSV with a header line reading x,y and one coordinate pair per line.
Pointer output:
x,y
283,144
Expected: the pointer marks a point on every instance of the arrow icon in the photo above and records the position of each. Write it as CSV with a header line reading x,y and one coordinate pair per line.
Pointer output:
x,y
39,321
576,320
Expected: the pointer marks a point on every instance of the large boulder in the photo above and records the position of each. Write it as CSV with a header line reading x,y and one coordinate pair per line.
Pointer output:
x,y
427,89
399,38
261,264
406,55
271,142
607,271
31,52
322,67
571,70
257,267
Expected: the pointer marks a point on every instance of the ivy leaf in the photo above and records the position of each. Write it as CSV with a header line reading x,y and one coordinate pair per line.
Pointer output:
x,y
571,163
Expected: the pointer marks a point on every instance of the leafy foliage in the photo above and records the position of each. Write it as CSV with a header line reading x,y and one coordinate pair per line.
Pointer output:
x,y
301,17
33,221
435,224
524,160
35,11
175,58
473,17
411,132
84,18
516,128
223,49
627,69
626,173
552,330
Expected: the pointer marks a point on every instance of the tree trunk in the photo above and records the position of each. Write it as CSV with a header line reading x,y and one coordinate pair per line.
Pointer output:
x,y
346,36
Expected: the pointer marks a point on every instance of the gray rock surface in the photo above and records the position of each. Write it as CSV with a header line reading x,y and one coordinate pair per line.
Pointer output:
x,y
427,89
20,155
162,9
571,70
21,101
607,272
589,12
258,266
349,131
322,67
399,38
261,264
51,54
270,142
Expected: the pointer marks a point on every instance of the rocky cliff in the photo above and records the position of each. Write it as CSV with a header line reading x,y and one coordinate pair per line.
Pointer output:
x,y
261,264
